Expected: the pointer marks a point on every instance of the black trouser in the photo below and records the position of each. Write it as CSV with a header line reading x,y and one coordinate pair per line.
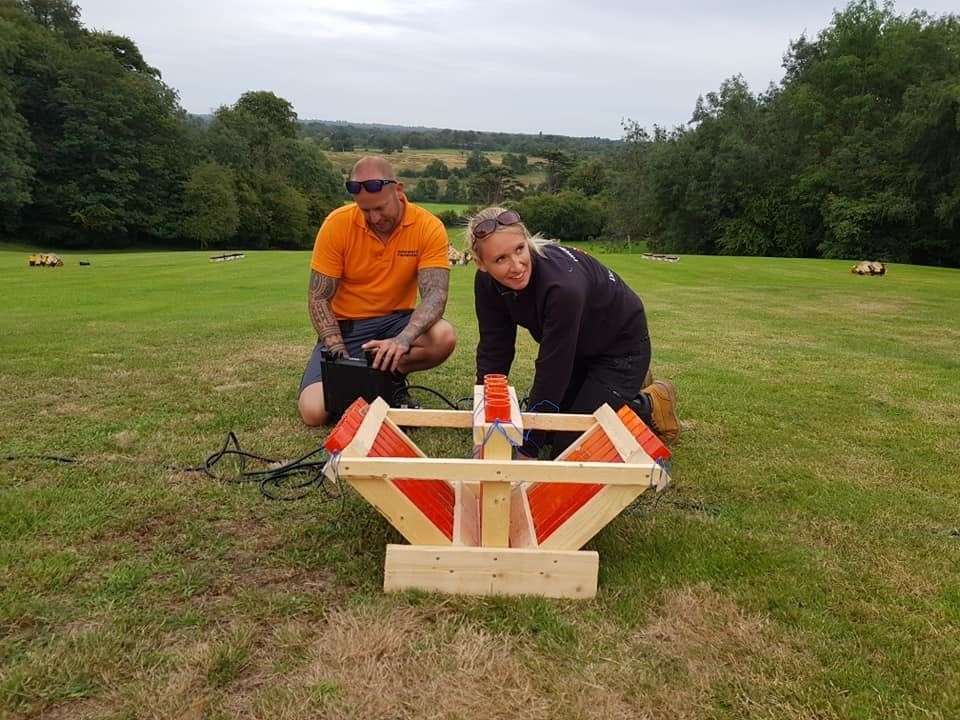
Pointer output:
x,y
613,379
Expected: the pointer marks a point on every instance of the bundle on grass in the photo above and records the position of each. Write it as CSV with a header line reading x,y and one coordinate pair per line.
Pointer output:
x,y
45,260
869,267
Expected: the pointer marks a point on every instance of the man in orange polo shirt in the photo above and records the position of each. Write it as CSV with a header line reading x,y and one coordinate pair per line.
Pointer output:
x,y
369,260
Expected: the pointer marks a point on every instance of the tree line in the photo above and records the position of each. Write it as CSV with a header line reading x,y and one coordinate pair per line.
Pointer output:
x,y
95,150
344,137
855,154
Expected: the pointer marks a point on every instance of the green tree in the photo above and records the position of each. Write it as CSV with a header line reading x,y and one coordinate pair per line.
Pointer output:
x,y
476,162
212,214
110,152
315,177
288,216
270,110
517,163
426,190
493,185
589,176
453,193
16,146
567,215
341,140
559,166
436,168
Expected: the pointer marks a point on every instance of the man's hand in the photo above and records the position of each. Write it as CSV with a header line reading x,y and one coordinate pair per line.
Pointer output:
x,y
337,351
387,353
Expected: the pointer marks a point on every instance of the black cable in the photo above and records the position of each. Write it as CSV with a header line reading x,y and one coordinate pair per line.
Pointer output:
x,y
51,458
277,483
440,395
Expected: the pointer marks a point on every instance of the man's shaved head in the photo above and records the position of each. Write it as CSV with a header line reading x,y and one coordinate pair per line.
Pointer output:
x,y
372,167
381,210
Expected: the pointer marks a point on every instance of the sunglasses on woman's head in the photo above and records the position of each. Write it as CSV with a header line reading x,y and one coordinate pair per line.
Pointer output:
x,y
371,186
489,226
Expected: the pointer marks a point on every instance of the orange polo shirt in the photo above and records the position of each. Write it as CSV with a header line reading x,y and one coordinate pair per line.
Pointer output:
x,y
377,278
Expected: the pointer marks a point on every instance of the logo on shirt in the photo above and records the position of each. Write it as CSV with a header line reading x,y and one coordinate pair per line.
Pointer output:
x,y
408,253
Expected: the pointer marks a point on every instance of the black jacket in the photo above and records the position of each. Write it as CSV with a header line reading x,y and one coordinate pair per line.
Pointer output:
x,y
576,308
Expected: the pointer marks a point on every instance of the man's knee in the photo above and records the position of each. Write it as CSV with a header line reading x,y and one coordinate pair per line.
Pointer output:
x,y
310,405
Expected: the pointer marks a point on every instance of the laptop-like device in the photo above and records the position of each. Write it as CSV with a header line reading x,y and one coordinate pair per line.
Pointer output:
x,y
346,379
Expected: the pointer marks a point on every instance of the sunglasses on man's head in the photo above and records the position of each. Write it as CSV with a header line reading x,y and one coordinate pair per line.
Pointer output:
x,y
489,226
371,186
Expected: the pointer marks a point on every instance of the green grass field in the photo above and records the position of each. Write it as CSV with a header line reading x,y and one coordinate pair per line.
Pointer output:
x,y
805,563
436,208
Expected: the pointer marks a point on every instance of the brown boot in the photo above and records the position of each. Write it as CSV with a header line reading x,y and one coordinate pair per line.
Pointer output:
x,y
648,378
663,410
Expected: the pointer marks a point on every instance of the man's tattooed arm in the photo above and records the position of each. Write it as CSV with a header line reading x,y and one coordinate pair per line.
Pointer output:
x,y
322,289
434,284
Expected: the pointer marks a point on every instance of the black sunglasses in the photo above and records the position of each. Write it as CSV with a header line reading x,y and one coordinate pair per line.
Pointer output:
x,y
371,186
489,226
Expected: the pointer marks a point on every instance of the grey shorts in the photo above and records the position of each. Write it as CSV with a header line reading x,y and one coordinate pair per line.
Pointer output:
x,y
355,333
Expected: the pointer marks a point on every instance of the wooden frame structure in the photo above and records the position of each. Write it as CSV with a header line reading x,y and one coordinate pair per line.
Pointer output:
x,y
495,525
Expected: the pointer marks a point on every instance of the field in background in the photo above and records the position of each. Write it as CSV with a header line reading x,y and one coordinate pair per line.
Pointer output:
x,y
417,160
411,159
806,562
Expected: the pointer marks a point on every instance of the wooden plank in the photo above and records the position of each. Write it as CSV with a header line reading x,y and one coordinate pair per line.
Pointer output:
x,y
557,421
466,516
396,507
406,417
592,517
362,441
502,470
623,440
522,532
488,571
369,429
495,496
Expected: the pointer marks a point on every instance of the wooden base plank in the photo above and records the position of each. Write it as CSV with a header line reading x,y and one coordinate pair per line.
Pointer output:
x,y
489,571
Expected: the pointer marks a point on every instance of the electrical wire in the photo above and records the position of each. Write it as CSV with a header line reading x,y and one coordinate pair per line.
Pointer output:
x,y
52,458
286,481
448,401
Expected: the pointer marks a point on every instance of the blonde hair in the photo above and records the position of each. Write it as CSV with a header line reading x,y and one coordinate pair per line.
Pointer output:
x,y
534,242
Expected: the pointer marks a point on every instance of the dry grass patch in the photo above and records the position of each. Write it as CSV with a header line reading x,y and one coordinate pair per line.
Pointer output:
x,y
715,648
392,663
372,663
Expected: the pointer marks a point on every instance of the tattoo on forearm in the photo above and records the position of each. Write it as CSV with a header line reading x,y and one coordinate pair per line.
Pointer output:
x,y
434,285
322,290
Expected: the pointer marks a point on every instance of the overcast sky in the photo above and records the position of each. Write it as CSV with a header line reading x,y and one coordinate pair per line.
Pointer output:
x,y
557,66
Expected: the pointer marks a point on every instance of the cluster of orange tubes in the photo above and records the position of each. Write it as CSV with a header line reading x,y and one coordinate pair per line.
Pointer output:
x,y
496,398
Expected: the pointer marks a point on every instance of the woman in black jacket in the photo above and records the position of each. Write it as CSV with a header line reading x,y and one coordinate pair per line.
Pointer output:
x,y
591,327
